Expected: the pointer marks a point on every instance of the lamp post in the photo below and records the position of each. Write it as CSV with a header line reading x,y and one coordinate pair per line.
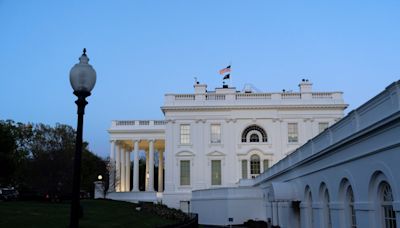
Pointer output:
x,y
83,78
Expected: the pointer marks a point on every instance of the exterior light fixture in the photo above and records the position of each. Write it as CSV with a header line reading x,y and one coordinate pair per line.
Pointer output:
x,y
83,78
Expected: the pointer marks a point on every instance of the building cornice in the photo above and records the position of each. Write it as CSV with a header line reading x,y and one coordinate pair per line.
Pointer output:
x,y
252,107
141,130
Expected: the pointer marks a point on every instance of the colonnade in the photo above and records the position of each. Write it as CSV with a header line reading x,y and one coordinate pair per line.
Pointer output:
x,y
120,166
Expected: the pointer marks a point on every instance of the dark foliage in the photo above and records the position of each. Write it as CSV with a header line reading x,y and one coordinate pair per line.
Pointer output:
x,y
38,159
255,224
163,211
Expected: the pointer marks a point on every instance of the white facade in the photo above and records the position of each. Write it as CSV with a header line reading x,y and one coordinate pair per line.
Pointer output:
x,y
212,139
348,176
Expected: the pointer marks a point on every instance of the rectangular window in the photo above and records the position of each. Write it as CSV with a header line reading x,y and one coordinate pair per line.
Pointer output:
x,y
185,172
216,172
215,133
322,126
244,169
185,134
293,133
265,164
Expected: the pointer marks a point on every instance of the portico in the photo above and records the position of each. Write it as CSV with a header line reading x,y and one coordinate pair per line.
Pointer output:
x,y
130,142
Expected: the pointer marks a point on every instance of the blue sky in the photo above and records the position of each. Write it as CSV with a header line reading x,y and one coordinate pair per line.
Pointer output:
x,y
144,49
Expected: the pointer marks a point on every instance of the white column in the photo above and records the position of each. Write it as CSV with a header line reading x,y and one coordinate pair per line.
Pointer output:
x,y
160,170
123,164
151,166
111,178
118,169
135,165
146,178
128,171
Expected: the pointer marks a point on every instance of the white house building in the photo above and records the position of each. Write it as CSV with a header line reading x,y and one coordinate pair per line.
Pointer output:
x,y
214,139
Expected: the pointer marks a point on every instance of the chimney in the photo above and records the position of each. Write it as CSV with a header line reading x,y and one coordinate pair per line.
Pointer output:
x,y
200,88
305,86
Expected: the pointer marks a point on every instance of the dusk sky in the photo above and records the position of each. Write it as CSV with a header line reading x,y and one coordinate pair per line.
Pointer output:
x,y
144,49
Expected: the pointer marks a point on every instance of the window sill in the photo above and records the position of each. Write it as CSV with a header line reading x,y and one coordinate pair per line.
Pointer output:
x,y
185,145
216,185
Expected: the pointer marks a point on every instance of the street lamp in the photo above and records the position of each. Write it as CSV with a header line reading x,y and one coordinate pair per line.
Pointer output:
x,y
82,77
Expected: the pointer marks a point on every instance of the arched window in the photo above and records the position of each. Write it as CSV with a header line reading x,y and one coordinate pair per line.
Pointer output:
x,y
351,213
254,164
255,133
254,138
386,198
325,206
308,208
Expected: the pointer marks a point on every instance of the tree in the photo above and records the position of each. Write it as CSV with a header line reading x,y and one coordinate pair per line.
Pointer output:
x,y
7,148
14,138
92,166
38,157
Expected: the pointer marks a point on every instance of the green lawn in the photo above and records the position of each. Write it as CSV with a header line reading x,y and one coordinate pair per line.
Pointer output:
x,y
97,213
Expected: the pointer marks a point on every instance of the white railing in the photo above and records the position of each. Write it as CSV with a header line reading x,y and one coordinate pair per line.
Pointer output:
x,y
254,96
138,122
322,95
291,95
124,122
144,122
245,96
215,97
160,122
184,97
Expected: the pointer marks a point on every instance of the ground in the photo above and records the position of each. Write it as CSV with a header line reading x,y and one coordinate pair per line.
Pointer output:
x,y
97,213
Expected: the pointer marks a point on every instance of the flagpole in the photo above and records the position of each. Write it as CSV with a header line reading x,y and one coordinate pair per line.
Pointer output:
x,y
226,74
230,64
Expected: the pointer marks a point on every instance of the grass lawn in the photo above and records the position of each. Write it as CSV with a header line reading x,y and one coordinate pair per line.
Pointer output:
x,y
97,213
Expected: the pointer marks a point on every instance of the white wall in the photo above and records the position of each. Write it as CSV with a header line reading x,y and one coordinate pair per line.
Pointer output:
x,y
216,206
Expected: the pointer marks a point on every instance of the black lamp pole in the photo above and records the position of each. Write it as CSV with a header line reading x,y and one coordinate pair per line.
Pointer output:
x,y
83,79
75,206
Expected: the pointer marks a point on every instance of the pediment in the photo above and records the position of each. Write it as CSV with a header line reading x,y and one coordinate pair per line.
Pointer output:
x,y
184,154
216,153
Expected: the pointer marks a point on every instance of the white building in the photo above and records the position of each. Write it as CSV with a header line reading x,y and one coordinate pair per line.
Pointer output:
x,y
347,176
212,139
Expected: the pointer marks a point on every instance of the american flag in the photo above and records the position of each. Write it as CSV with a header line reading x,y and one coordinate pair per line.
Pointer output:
x,y
225,70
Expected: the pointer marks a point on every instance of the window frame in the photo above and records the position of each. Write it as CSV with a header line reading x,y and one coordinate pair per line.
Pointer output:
x,y
351,219
326,207
293,136
253,165
215,138
266,162
219,174
184,134
249,130
181,173
245,171
388,214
